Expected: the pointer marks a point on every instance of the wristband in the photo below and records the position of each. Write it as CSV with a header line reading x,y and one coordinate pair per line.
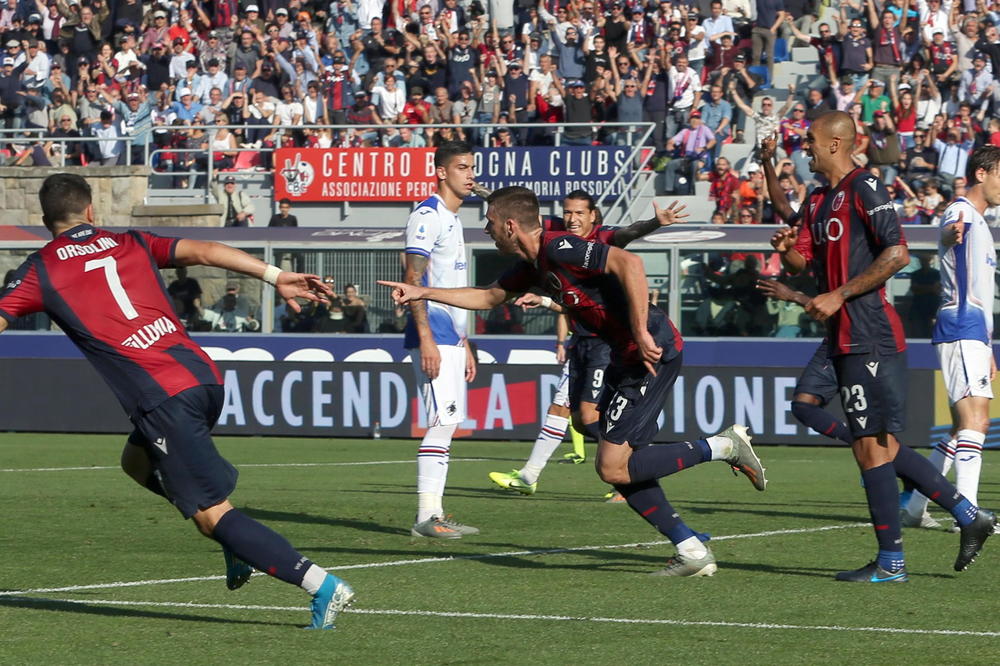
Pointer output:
x,y
560,343
271,274
546,302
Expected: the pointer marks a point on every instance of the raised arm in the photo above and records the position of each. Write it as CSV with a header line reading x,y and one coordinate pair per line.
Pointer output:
x,y
662,217
779,200
739,100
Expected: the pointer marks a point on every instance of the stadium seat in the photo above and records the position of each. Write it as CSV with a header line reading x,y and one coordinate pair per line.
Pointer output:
x,y
531,357
369,356
780,50
761,71
251,354
310,355
246,160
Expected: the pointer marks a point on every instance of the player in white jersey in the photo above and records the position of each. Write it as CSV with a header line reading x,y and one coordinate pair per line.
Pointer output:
x,y
435,333
964,329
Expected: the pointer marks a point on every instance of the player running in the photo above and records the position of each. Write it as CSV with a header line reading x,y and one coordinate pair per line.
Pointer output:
x,y
850,234
435,333
588,355
604,287
964,327
105,292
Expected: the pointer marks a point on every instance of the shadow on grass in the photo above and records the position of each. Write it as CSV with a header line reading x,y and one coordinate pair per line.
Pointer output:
x,y
808,571
55,605
266,515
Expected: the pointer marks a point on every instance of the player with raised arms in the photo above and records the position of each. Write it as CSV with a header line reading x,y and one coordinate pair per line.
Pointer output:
x,y
104,291
435,333
604,287
963,330
850,234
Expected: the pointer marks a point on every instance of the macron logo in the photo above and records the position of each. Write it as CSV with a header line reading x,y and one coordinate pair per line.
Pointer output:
x,y
872,183
862,421
161,444
872,367
564,244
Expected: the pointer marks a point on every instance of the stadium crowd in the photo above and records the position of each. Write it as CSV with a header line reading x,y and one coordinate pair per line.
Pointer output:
x,y
917,75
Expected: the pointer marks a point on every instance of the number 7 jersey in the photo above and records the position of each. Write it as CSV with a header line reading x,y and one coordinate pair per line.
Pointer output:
x,y
106,293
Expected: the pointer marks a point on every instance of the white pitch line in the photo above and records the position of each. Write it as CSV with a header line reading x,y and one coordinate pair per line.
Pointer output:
x,y
549,618
426,560
327,464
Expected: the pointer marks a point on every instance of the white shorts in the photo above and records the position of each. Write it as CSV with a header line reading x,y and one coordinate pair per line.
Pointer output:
x,y
444,397
561,397
965,366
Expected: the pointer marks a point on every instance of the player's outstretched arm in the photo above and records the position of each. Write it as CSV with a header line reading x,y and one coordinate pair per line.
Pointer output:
x,y
468,298
529,301
289,285
662,217
628,268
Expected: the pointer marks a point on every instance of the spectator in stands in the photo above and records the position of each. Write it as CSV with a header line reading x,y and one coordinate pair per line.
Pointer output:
x,y
237,209
683,92
109,149
579,109
186,109
856,58
66,129
186,294
770,15
355,311
883,146
953,154
978,85
691,147
920,161
717,114
888,51
136,116
738,82
283,218
724,183
767,121
925,297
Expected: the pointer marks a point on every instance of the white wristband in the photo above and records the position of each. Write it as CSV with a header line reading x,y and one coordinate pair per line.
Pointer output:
x,y
271,274
546,302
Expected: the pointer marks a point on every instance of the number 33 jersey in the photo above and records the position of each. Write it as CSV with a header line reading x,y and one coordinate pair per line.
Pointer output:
x,y
843,231
105,291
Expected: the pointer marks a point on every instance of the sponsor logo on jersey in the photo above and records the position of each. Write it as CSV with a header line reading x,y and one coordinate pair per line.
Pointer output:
x,y
564,244
460,265
586,256
98,246
838,201
872,183
146,336
450,408
885,206
82,233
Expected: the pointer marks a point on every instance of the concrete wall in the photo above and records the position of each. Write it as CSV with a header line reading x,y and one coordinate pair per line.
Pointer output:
x,y
119,198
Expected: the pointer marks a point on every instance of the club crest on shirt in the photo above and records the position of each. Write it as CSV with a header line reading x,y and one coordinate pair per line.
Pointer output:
x,y
838,201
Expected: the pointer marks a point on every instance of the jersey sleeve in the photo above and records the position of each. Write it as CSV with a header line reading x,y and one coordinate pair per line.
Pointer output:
x,y
422,229
801,219
877,210
161,248
570,250
605,235
23,294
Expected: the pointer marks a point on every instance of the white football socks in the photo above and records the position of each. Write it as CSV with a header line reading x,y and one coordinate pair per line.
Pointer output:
x,y
968,463
549,438
432,471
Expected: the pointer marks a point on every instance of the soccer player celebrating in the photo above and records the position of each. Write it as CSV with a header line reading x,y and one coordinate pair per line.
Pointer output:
x,y
588,355
850,233
104,291
604,288
435,333
964,326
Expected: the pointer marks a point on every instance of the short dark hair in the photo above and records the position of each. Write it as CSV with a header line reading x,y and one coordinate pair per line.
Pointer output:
x,y
583,195
286,200
985,157
516,203
448,150
63,195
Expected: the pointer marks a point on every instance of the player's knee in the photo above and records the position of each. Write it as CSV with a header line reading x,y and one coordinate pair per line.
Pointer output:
x,y
135,464
206,519
801,409
806,398
612,473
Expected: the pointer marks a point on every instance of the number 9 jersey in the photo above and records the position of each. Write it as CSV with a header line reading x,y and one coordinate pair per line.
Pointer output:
x,y
105,291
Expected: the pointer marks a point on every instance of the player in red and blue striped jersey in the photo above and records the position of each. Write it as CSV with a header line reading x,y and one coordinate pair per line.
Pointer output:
x,y
604,288
105,291
851,236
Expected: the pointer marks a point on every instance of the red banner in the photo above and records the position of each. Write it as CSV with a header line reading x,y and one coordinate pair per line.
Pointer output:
x,y
354,174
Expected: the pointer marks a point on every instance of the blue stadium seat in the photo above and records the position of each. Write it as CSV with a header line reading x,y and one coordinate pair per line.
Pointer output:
x,y
761,71
780,50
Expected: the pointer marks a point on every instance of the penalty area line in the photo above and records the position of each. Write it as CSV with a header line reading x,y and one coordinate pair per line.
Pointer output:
x,y
767,626
429,560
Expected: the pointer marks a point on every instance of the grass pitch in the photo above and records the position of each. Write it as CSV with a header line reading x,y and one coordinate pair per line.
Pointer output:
x,y
556,578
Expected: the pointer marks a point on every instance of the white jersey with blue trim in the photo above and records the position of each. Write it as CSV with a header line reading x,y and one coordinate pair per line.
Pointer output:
x,y
967,279
435,232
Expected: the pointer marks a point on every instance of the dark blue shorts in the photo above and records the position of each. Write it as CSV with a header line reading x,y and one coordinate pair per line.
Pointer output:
x,y
872,392
819,378
177,436
633,399
589,357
